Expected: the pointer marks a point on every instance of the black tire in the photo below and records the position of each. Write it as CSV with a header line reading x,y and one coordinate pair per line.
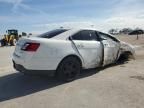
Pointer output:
x,y
126,56
3,42
11,43
68,69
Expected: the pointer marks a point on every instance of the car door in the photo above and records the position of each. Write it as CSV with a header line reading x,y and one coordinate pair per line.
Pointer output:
x,y
111,48
89,48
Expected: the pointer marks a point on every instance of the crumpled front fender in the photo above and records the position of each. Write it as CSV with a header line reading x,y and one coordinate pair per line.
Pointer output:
x,y
125,47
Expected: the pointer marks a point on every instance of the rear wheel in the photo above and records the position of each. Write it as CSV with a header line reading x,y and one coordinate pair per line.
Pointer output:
x,y
68,69
11,43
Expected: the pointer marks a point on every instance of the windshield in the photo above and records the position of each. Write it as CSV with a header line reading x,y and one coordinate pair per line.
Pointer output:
x,y
12,31
52,33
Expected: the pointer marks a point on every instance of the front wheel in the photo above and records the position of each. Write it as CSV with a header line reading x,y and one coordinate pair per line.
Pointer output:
x,y
68,69
13,42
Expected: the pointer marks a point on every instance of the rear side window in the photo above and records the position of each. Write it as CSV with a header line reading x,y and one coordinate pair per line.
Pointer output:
x,y
52,33
85,35
77,36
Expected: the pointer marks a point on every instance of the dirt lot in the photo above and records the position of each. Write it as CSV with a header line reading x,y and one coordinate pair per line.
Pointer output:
x,y
132,39
116,86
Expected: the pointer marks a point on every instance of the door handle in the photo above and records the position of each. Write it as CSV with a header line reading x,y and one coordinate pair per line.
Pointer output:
x,y
80,46
105,44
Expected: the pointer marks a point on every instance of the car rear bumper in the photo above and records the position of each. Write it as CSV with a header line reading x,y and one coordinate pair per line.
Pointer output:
x,y
22,69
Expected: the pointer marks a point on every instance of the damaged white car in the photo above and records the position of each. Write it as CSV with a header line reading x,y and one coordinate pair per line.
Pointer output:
x,y
64,52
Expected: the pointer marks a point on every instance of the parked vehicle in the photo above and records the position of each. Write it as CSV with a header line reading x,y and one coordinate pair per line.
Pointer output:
x,y
64,52
11,37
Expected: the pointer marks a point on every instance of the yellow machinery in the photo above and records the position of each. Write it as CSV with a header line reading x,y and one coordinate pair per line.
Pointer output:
x,y
10,38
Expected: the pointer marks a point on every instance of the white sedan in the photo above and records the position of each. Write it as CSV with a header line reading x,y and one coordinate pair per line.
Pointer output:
x,y
64,52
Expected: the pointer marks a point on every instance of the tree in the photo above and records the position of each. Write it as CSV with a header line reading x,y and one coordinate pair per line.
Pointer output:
x,y
126,30
137,32
113,31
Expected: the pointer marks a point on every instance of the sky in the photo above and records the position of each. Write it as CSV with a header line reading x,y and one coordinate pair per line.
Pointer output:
x,y
38,16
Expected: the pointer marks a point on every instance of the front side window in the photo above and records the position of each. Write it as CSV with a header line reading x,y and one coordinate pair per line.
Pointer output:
x,y
104,36
86,35
52,33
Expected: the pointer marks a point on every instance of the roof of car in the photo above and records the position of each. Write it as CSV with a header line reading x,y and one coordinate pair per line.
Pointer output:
x,y
70,32
81,29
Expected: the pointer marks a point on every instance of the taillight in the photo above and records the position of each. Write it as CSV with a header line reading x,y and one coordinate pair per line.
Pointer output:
x,y
30,46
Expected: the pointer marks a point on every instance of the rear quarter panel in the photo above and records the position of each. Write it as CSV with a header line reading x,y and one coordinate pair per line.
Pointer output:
x,y
51,53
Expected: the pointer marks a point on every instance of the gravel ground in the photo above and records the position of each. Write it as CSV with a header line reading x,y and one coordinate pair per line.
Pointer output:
x,y
115,86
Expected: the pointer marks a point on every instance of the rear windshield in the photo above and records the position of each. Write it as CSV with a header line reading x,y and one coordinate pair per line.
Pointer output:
x,y
52,33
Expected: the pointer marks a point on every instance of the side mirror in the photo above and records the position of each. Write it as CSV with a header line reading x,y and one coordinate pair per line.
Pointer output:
x,y
103,39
